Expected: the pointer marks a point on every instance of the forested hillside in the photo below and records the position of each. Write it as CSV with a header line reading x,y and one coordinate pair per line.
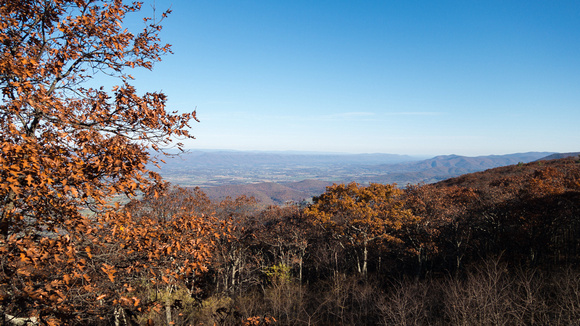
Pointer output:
x,y
495,247
499,245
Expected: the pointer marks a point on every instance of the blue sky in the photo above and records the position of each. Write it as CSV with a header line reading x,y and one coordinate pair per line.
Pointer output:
x,y
406,77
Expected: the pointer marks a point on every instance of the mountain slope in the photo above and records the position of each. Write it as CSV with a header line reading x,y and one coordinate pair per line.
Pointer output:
x,y
447,166
518,176
559,155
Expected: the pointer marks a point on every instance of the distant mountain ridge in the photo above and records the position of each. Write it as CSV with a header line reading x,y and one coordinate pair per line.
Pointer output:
x,y
200,158
276,183
471,164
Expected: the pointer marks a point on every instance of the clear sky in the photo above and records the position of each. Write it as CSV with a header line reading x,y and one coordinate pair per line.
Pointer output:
x,y
406,77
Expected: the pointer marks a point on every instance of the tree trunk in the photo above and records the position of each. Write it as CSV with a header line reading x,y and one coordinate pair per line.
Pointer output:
x,y
300,270
365,259
419,264
168,311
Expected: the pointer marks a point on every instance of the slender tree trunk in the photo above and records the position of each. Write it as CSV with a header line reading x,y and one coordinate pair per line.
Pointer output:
x,y
168,311
168,317
233,275
419,264
335,263
300,270
365,259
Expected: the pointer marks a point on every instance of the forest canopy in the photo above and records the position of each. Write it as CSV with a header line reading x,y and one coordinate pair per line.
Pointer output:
x,y
491,247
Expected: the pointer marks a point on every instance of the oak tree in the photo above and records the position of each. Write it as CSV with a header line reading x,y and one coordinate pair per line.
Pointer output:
x,y
361,215
66,146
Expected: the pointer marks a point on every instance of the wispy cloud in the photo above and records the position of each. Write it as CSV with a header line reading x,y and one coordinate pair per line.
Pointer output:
x,y
350,115
372,116
417,113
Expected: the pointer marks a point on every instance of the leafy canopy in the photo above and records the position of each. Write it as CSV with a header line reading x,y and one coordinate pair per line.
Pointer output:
x,y
63,144
66,146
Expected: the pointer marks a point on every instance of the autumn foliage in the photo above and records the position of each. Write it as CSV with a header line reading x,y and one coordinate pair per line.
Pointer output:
x,y
89,236
65,146
360,216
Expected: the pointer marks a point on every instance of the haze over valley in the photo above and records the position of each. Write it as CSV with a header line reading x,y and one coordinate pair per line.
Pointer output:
x,y
279,177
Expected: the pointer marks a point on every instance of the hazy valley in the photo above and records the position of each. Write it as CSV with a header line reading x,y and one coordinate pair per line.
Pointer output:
x,y
279,177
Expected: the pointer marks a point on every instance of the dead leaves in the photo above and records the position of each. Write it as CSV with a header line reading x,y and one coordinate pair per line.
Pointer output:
x,y
65,147
110,271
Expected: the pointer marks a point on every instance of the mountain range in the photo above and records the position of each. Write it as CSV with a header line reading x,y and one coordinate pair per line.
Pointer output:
x,y
281,177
